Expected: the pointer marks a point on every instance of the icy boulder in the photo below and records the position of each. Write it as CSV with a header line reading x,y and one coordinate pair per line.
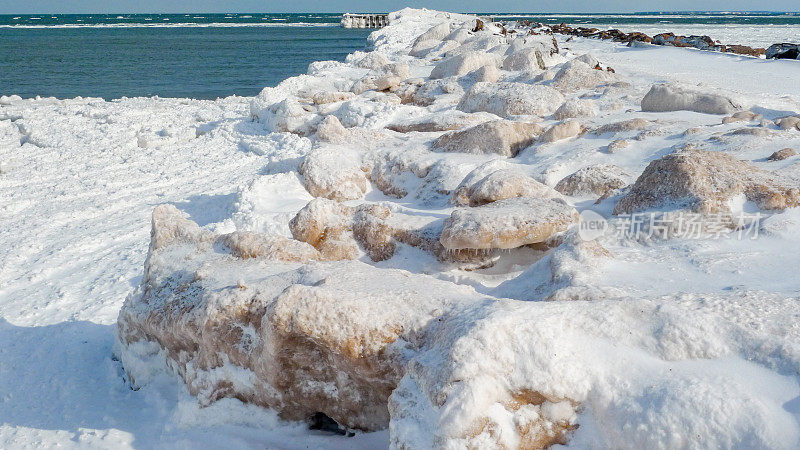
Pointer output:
x,y
599,179
300,341
462,64
509,98
334,172
742,116
782,154
488,73
433,48
576,108
337,230
788,123
673,97
505,224
170,228
327,226
331,130
435,33
495,181
527,59
321,98
577,76
501,137
370,60
447,120
560,131
706,182
623,126
291,116
437,91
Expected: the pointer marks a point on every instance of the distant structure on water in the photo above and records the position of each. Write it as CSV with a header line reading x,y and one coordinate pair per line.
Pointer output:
x,y
365,20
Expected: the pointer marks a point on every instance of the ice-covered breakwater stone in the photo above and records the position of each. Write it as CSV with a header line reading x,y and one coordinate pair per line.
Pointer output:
x,y
507,224
502,137
510,98
705,182
598,179
672,97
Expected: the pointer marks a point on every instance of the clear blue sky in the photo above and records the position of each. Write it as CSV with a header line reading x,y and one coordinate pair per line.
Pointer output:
x,y
179,6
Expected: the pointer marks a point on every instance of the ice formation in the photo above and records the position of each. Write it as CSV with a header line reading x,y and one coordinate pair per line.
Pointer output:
x,y
401,261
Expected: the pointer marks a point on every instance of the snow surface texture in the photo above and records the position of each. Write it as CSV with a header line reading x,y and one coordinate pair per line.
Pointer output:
x,y
265,299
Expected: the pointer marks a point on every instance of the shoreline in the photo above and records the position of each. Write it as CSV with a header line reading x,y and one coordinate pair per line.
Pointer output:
x,y
703,42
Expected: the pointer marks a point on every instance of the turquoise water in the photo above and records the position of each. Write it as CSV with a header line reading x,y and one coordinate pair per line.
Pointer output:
x,y
217,55
168,61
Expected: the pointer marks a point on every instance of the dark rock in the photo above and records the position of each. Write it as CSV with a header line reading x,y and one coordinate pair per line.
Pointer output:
x,y
783,51
320,421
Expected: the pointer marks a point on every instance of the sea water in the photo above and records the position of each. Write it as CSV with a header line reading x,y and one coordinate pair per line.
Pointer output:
x,y
216,55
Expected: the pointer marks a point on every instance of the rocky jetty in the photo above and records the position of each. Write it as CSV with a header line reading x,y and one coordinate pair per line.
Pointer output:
x,y
429,249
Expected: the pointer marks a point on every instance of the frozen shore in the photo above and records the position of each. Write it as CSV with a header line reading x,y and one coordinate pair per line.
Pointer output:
x,y
393,241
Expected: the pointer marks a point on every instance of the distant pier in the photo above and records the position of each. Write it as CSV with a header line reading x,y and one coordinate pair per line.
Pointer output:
x,y
365,20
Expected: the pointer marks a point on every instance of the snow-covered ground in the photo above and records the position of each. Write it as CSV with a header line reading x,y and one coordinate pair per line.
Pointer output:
x,y
679,342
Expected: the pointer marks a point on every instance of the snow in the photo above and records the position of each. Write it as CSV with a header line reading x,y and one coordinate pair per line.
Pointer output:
x,y
611,343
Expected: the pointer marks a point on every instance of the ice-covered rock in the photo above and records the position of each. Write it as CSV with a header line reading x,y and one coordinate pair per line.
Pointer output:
x,y
634,124
505,224
447,120
617,145
576,108
370,60
530,53
482,42
299,341
327,226
438,91
782,154
495,181
705,182
488,73
788,123
321,98
433,48
435,33
564,130
742,116
334,172
331,130
291,116
246,245
337,230
169,226
456,66
527,59
598,180
510,98
673,97
577,76
502,137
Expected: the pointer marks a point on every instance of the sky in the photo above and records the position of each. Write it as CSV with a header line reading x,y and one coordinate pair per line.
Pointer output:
x,y
189,6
